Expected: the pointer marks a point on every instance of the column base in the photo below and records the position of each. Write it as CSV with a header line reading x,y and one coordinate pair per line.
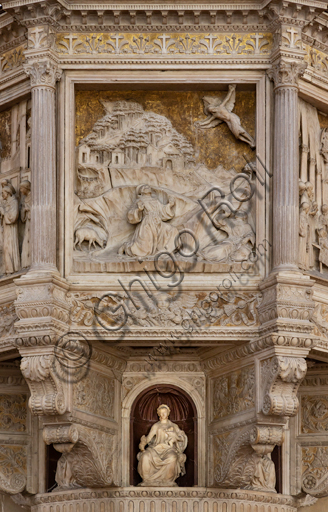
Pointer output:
x,y
163,499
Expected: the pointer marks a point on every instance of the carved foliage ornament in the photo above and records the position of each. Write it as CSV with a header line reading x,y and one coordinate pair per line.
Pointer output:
x,y
315,476
283,376
286,73
243,459
43,73
12,469
87,456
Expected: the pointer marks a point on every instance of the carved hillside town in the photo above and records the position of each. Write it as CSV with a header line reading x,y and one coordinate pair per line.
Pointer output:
x,y
163,256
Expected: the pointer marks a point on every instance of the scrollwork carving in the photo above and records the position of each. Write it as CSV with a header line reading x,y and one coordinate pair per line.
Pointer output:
x,y
47,391
315,474
283,376
12,469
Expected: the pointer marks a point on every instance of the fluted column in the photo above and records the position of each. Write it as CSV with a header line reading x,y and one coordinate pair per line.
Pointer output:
x,y
43,74
286,164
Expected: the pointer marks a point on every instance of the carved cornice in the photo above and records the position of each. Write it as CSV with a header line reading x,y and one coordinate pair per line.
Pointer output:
x,y
164,494
273,340
43,73
286,73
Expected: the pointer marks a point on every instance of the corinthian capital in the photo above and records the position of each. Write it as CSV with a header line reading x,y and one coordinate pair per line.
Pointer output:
x,y
286,73
43,73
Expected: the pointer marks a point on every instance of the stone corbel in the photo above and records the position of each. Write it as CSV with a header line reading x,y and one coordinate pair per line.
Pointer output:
x,y
45,380
246,463
283,377
87,456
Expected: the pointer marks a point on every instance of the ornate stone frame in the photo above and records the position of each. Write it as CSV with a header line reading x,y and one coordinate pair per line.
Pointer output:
x,y
90,78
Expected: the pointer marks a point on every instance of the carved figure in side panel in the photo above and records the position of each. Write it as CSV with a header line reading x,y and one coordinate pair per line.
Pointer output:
x,y
221,112
25,214
304,236
9,213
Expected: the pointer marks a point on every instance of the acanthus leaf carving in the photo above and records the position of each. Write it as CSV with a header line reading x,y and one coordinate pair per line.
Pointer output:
x,y
287,73
315,473
12,469
282,377
87,456
242,459
43,73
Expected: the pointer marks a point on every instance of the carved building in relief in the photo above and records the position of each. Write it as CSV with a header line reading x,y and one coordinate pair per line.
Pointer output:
x,y
163,248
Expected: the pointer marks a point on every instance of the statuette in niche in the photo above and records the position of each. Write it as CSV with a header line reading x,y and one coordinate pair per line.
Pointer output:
x,y
163,460
9,213
25,214
221,112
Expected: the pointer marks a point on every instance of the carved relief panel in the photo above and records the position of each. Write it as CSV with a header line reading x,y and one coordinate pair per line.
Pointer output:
x,y
310,432
143,165
15,188
313,192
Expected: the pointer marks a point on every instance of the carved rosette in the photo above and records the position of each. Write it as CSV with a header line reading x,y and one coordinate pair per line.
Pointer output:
x,y
87,456
43,73
283,376
315,476
42,374
286,73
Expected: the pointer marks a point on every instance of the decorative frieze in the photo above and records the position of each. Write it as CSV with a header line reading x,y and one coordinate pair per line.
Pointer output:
x,y
164,43
12,59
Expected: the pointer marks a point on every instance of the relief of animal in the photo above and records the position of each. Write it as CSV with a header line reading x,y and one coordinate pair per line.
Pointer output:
x,y
88,235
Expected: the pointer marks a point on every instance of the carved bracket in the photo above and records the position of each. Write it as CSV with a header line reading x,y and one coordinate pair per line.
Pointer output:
x,y
283,376
42,374
244,460
87,456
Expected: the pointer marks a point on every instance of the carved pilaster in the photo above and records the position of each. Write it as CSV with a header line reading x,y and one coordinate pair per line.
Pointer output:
x,y
43,74
285,74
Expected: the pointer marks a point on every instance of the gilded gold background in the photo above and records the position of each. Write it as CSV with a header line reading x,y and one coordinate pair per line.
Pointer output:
x,y
5,133
213,147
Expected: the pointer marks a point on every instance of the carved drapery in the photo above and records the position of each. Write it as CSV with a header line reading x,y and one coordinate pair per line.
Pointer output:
x,y
285,174
43,75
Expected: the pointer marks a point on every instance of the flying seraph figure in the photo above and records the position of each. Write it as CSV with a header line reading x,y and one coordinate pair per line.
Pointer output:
x,y
221,111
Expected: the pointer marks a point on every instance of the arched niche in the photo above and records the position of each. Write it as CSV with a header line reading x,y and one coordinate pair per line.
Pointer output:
x,y
198,402
183,413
